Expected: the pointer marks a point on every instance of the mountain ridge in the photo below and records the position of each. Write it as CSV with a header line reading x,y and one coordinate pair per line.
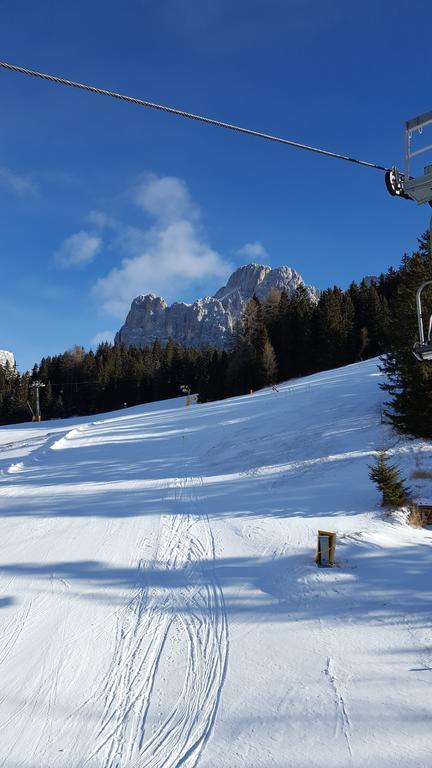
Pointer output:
x,y
209,320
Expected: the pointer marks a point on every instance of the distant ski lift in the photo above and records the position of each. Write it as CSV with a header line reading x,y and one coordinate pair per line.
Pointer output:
x,y
422,349
417,188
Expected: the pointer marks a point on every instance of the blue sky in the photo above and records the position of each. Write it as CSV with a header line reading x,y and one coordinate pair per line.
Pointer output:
x,y
101,201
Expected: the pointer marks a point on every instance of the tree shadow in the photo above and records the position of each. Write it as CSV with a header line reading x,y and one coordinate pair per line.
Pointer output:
x,y
372,585
121,483
6,602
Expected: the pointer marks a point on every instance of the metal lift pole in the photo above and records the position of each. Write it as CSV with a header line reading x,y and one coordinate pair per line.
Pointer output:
x,y
37,385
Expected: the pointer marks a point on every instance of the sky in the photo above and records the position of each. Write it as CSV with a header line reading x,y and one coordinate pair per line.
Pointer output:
x,y
101,201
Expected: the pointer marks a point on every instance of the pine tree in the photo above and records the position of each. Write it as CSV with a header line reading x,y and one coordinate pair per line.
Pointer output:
x,y
371,321
270,308
300,345
240,371
253,361
268,364
387,478
333,331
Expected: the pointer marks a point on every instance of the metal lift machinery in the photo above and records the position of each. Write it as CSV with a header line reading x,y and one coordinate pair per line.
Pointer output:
x,y
419,189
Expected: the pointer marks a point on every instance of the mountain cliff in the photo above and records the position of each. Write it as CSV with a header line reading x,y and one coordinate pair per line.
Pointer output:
x,y
210,320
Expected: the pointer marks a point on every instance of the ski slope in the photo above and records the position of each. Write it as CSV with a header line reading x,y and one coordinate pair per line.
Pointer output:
x,y
159,601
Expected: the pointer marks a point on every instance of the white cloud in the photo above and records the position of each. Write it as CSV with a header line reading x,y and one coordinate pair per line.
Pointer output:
x,y
101,220
253,251
171,257
78,249
167,198
131,241
21,185
102,336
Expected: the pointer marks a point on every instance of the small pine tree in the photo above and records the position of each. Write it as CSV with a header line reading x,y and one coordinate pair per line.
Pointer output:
x,y
387,478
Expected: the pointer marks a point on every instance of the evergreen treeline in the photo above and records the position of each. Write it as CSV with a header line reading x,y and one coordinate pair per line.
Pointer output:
x,y
276,340
82,383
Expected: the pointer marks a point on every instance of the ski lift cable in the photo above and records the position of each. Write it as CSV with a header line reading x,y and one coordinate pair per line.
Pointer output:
x,y
190,115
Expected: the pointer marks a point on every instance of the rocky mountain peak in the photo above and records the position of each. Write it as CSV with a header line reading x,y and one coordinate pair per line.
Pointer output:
x,y
6,357
245,280
210,320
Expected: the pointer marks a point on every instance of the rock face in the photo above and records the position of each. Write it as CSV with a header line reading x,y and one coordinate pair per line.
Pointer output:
x,y
370,280
210,320
6,357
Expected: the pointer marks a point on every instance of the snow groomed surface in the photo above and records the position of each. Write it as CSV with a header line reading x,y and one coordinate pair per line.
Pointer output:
x,y
159,603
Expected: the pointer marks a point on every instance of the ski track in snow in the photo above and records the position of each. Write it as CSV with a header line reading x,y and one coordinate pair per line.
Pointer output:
x,y
12,632
184,540
343,722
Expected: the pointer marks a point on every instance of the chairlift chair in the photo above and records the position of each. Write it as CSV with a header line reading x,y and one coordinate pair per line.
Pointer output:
x,y
419,189
422,349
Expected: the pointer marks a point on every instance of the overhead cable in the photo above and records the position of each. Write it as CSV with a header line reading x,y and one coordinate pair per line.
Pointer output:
x,y
183,113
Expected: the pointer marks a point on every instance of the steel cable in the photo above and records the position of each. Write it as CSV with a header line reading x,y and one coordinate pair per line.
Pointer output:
x,y
183,113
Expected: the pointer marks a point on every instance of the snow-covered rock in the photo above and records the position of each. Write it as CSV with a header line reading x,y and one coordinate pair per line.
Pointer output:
x,y
210,320
245,281
6,357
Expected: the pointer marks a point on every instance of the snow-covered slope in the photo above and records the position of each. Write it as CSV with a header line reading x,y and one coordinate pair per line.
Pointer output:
x,y
159,602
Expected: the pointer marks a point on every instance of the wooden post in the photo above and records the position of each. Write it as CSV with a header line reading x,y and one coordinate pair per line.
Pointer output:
x,y
326,547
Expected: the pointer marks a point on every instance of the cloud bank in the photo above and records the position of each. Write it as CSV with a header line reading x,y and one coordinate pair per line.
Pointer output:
x,y
20,185
254,250
102,336
170,257
78,250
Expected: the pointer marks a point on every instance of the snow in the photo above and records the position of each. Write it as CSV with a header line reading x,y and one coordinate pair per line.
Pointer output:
x,y
159,600
6,358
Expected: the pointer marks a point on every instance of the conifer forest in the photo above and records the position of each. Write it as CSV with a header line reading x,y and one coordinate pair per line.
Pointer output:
x,y
279,339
